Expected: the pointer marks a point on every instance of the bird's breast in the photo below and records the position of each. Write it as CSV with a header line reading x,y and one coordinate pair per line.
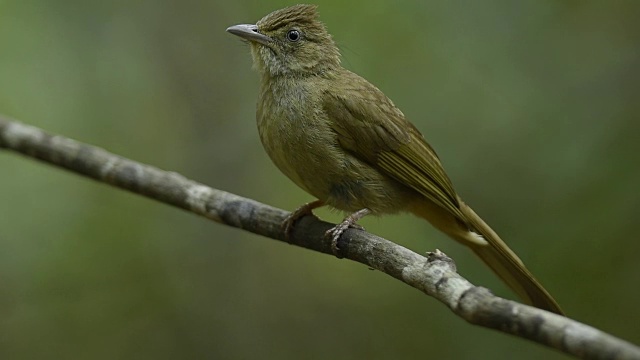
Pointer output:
x,y
297,134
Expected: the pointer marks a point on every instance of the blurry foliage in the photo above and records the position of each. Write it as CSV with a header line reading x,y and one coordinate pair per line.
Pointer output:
x,y
533,107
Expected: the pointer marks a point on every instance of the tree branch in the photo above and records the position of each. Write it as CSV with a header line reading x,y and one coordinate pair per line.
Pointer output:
x,y
435,274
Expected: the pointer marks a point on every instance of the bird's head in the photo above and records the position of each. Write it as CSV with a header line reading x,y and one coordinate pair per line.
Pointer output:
x,y
290,41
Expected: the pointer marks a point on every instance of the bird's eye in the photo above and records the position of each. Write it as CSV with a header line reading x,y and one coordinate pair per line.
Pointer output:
x,y
293,35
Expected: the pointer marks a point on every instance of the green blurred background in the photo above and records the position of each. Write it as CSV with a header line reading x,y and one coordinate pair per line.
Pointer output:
x,y
533,106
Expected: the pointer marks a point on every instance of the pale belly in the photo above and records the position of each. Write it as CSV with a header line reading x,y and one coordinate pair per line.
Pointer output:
x,y
309,154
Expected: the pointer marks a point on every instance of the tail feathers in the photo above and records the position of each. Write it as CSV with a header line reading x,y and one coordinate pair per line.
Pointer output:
x,y
519,279
506,264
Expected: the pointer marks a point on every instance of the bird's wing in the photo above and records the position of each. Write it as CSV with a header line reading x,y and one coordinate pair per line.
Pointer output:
x,y
369,126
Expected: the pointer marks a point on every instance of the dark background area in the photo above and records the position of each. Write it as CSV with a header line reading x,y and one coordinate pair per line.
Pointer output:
x,y
533,107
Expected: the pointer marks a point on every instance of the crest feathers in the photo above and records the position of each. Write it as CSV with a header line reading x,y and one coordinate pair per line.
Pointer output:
x,y
300,14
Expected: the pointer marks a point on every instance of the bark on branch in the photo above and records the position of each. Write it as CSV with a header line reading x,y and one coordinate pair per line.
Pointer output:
x,y
435,274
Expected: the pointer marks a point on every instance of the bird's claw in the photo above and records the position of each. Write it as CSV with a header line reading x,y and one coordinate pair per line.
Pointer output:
x,y
335,232
350,221
289,221
302,211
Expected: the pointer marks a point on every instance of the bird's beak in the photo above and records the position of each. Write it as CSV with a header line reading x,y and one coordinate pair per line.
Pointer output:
x,y
249,32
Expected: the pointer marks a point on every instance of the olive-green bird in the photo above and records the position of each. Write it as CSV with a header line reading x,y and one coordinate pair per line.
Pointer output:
x,y
342,140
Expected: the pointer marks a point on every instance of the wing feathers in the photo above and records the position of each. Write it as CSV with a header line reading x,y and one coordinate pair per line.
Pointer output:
x,y
369,126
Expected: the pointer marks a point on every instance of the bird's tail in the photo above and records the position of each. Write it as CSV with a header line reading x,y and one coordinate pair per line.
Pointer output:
x,y
491,249
507,265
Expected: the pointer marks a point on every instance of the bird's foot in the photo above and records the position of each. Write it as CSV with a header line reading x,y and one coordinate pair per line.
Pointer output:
x,y
349,222
302,211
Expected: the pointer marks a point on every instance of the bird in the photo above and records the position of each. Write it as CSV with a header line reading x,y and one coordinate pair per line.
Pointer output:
x,y
342,140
